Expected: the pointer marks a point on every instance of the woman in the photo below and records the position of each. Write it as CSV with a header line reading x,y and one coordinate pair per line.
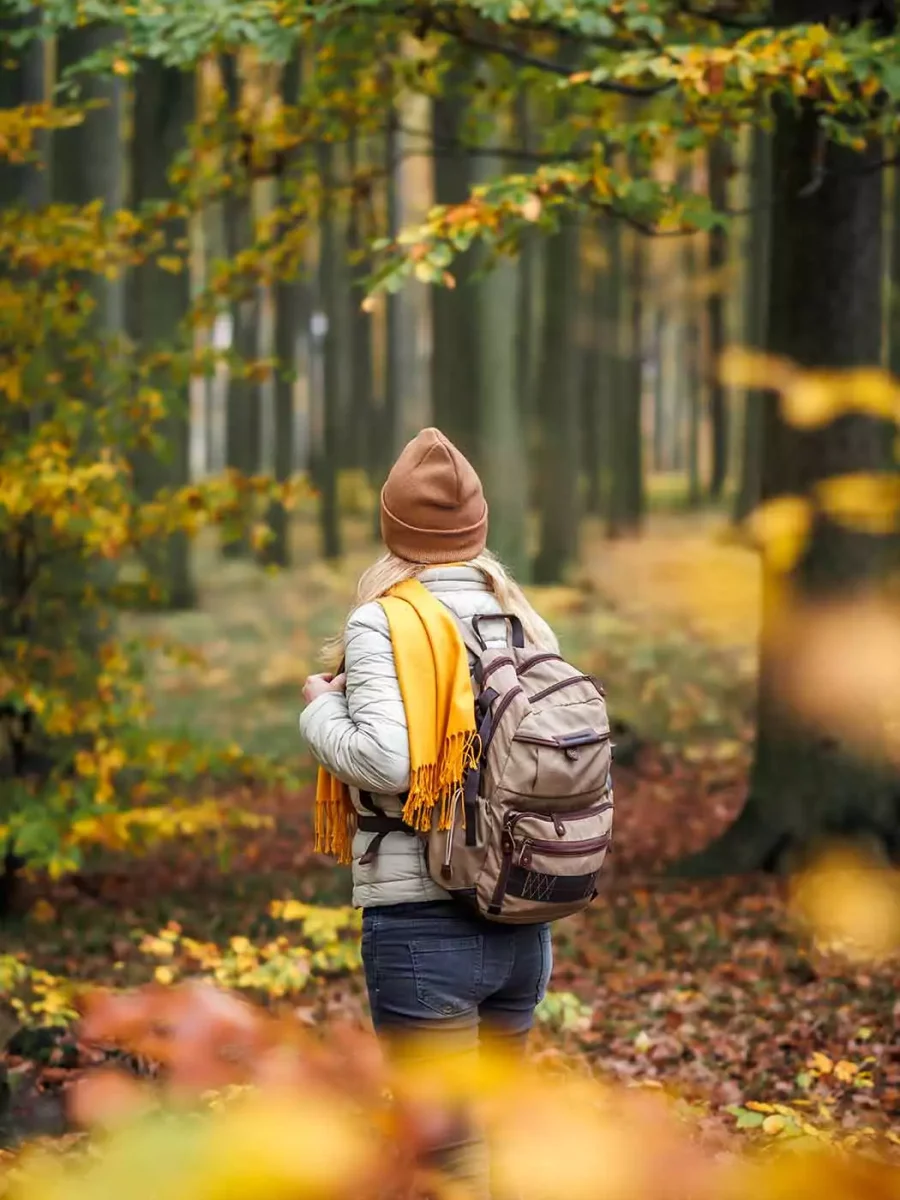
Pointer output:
x,y
376,727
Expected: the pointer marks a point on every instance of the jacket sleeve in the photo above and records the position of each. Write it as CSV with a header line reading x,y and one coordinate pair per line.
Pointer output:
x,y
361,735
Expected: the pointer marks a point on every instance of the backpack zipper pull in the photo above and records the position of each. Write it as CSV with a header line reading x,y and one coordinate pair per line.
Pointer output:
x,y
558,825
446,869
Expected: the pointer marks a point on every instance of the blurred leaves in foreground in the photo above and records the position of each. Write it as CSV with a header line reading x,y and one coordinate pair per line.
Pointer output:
x,y
254,1105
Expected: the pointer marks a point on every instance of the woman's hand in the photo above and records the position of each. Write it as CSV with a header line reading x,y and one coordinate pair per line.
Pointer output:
x,y
318,685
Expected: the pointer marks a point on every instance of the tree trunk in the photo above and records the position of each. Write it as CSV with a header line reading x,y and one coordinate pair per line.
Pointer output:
x,y
362,401
160,300
756,336
455,333
243,421
500,433
894,291
530,293
625,502
87,159
291,318
386,432
692,373
719,167
330,296
593,359
559,410
825,294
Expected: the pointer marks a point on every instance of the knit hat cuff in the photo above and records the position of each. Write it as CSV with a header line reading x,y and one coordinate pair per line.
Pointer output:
x,y
432,545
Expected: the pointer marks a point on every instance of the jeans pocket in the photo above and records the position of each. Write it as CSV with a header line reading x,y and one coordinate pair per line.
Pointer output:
x,y
546,946
447,973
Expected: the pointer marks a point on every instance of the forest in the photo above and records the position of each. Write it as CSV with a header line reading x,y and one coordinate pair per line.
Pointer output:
x,y
640,261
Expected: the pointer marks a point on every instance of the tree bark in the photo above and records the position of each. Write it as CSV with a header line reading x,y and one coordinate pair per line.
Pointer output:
x,y
692,383
825,295
719,167
501,435
756,335
160,300
456,337
329,448
243,420
87,160
362,400
593,398
894,291
559,410
625,501
291,320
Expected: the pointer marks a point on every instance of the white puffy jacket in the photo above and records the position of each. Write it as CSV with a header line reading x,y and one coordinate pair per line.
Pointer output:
x,y
361,735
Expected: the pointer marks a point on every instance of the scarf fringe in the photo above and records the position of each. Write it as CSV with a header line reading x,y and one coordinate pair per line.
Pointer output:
x,y
435,787
335,819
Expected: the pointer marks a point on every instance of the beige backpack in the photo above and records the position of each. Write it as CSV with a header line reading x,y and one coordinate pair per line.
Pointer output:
x,y
533,824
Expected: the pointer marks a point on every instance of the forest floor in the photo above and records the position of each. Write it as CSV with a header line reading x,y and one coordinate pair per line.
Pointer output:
x,y
709,990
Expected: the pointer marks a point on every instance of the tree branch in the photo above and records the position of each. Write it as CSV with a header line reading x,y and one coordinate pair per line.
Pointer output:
x,y
525,59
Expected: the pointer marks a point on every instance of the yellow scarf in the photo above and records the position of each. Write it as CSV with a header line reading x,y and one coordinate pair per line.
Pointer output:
x,y
433,671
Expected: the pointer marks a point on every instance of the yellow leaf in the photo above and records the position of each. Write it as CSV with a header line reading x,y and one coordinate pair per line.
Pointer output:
x,y
781,526
773,1124
868,503
811,400
821,1063
164,975
845,1071
43,912
742,368
121,67
168,262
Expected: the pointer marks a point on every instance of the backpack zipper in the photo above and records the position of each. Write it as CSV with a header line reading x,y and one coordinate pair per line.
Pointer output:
x,y
495,721
524,668
538,658
528,739
578,814
554,849
558,686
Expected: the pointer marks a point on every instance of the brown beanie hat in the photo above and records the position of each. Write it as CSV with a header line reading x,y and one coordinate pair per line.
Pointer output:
x,y
432,506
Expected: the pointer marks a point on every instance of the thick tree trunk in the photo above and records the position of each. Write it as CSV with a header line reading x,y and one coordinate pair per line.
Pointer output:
x,y
160,300
559,410
825,295
719,167
455,334
757,308
894,291
243,420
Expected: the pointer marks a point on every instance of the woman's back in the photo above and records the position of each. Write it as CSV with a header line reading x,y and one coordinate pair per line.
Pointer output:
x,y
376,759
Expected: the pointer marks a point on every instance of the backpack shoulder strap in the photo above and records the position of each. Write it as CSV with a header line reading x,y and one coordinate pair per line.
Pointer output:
x,y
470,638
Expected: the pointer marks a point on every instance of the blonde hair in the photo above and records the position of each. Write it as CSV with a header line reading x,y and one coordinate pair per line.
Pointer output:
x,y
390,570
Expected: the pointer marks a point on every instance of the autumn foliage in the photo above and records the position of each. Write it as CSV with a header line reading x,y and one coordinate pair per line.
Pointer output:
x,y
245,1102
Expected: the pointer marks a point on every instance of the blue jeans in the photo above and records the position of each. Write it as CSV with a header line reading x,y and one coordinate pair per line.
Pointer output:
x,y
433,968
